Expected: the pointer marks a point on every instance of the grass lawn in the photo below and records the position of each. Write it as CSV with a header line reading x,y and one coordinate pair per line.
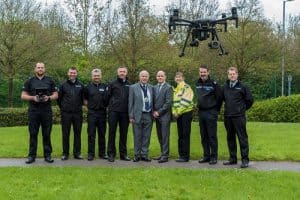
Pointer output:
x,y
63,183
268,141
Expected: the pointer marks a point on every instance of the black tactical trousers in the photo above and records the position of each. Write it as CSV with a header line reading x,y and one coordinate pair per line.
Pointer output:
x,y
96,123
237,126
69,119
115,119
37,119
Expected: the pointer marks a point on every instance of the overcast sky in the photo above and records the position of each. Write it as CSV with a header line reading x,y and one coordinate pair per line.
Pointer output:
x,y
272,8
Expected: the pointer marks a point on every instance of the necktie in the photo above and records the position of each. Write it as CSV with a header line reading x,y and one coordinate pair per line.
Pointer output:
x,y
159,88
146,99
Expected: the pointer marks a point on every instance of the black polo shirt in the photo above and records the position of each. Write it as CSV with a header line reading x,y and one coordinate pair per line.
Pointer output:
x,y
96,95
32,85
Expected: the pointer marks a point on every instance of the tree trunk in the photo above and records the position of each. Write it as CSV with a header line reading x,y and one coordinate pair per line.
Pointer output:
x,y
10,92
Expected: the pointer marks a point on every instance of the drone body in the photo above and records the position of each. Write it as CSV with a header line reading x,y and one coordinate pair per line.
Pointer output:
x,y
201,30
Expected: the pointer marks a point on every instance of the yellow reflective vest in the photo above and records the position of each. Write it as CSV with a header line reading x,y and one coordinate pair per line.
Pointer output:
x,y
182,99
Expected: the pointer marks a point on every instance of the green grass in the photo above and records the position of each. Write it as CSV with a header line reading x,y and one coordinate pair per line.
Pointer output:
x,y
63,183
268,141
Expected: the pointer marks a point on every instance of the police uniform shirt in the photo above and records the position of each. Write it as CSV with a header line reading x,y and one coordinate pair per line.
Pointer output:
x,y
34,83
96,95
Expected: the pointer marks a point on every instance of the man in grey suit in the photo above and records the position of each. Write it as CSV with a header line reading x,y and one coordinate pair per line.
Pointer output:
x,y
140,105
163,95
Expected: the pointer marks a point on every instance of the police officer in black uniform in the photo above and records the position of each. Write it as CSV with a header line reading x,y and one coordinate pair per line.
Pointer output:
x,y
209,96
96,96
118,91
70,101
39,90
238,99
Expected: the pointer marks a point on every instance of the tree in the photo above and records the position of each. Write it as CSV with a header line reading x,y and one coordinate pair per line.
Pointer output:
x,y
86,17
15,40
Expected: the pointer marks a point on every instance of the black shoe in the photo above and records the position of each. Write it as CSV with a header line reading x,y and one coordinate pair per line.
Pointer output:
x,y
245,164
182,160
111,159
30,160
125,158
146,159
48,159
204,160
136,159
230,162
78,157
90,158
105,157
213,161
163,160
65,157
157,158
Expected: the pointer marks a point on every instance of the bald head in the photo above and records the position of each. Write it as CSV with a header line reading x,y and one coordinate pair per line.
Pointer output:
x,y
161,77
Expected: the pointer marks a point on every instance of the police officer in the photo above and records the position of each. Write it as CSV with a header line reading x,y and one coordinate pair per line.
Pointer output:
x,y
209,98
118,91
39,90
96,96
70,102
238,99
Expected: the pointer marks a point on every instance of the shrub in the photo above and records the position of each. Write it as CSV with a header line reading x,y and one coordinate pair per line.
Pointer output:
x,y
281,109
19,116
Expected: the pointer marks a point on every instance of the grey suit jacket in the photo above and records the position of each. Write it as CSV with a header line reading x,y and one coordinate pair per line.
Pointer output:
x,y
135,101
163,101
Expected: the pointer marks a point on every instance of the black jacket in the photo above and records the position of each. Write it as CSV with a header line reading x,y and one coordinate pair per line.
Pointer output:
x,y
118,92
70,96
96,95
209,95
237,99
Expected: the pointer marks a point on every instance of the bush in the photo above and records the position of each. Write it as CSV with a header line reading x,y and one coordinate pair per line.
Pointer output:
x,y
19,116
281,109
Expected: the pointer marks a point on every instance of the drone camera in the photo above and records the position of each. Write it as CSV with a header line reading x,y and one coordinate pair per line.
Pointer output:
x,y
214,44
194,43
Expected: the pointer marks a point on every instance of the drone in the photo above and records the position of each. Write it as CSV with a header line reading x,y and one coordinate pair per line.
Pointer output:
x,y
201,30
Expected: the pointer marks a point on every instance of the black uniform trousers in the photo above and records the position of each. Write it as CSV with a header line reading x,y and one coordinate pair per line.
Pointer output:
x,y
69,119
96,123
208,132
115,118
37,119
184,132
237,126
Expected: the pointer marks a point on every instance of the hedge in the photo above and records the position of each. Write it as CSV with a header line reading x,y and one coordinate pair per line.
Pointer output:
x,y
281,109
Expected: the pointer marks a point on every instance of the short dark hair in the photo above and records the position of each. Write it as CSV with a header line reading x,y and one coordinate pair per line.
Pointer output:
x,y
72,68
204,66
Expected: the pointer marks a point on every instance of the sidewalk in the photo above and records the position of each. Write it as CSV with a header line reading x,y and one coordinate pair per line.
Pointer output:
x,y
192,164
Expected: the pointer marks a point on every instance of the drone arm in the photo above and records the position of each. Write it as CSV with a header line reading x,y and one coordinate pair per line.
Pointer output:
x,y
221,47
185,42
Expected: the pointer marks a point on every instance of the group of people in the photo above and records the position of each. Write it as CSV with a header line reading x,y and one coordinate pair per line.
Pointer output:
x,y
120,103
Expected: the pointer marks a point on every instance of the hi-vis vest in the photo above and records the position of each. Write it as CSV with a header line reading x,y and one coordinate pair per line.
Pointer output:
x,y
182,99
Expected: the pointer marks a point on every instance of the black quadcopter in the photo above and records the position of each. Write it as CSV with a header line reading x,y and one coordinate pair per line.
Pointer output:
x,y
201,30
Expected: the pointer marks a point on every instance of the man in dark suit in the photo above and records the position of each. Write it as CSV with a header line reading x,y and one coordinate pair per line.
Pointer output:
x,y
238,99
163,94
140,105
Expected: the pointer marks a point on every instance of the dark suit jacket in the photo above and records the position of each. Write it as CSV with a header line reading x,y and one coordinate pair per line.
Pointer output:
x,y
135,101
163,101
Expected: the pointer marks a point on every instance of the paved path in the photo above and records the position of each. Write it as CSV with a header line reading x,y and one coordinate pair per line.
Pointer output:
x,y
193,164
